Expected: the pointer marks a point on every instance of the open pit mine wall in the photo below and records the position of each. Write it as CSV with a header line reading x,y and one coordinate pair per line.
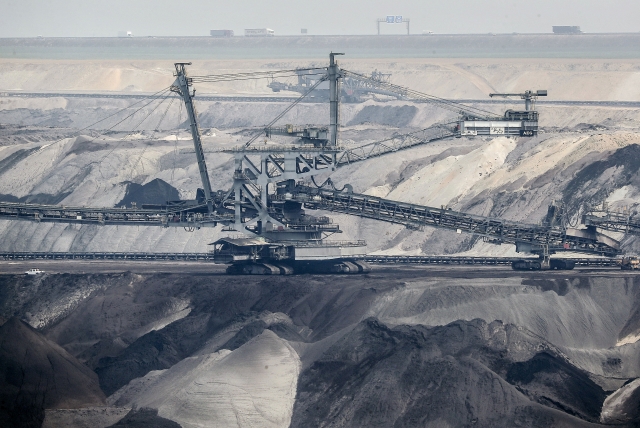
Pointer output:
x,y
502,177
586,154
278,352
581,78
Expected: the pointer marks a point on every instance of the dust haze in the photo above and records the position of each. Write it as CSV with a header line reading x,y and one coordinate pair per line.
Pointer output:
x,y
77,18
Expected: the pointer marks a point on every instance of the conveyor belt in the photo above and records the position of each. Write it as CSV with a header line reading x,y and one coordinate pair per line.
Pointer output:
x,y
274,99
410,215
107,216
614,222
498,231
395,143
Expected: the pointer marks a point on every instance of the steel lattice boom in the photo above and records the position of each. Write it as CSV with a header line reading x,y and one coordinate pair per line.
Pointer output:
x,y
524,235
108,216
614,222
396,143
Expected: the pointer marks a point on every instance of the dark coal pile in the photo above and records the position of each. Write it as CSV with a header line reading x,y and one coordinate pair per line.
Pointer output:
x,y
353,368
37,374
462,374
144,418
155,192
595,181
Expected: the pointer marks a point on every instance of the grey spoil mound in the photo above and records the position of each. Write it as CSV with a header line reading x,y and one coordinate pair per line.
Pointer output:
x,y
463,374
87,417
19,134
37,374
145,418
231,308
136,329
595,181
622,406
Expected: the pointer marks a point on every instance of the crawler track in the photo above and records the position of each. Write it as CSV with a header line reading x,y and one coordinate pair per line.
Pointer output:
x,y
208,257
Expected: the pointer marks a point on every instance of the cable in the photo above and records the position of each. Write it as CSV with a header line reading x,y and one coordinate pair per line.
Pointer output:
x,y
108,129
165,113
329,182
175,150
293,104
111,115
127,117
144,149
130,133
251,78
577,217
449,105
121,139
261,72
255,75
143,119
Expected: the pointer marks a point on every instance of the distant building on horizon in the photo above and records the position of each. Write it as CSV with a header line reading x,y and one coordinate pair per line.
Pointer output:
x,y
221,33
566,29
259,32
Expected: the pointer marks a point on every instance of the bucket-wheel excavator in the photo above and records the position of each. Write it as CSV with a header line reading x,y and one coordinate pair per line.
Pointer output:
x,y
274,185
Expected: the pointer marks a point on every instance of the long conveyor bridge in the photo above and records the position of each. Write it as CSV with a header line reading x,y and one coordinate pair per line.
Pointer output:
x,y
169,217
614,222
527,237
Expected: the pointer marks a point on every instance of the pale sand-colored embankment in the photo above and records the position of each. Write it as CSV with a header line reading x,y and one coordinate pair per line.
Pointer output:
x,y
565,79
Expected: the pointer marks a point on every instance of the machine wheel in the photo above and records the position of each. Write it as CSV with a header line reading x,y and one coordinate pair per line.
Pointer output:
x,y
284,269
253,269
363,267
526,265
560,264
353,268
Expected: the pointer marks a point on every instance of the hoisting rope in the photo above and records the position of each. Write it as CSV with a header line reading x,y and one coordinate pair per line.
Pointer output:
x,y
130,132
155,131
212,78
285,111
442,102
156,95
175,148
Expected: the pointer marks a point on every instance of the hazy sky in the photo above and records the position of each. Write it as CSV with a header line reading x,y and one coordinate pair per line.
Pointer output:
x,y
55,18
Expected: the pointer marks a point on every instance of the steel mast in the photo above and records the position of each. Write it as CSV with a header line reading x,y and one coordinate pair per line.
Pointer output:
x,y
181,86
334,99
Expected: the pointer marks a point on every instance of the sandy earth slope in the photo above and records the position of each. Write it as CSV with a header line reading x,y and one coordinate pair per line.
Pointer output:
x,y
255,385
568,79
504,177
